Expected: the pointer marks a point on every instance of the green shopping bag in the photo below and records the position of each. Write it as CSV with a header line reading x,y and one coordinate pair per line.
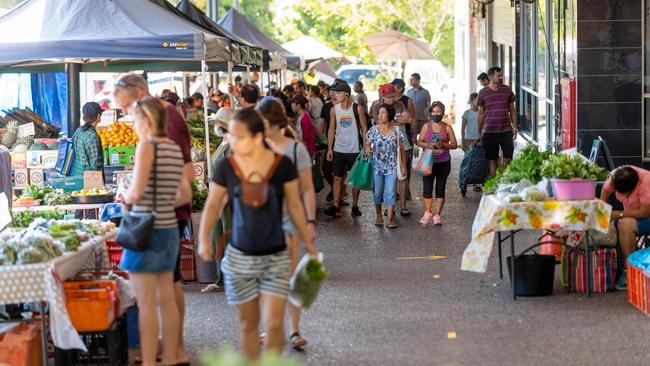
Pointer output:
x,y
317,176
361,175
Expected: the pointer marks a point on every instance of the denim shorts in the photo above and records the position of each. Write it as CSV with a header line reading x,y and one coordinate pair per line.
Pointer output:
x,y
385,188
643,226
160,257
288,227
246,276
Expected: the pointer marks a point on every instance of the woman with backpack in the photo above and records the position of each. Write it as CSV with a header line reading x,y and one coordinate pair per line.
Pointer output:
x,y
257,263
276,121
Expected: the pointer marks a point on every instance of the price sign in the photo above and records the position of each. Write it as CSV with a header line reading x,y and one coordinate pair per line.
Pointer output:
x,y
26,130
93,179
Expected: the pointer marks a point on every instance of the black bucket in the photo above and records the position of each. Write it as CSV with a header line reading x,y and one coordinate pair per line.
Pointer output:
x,y
535,274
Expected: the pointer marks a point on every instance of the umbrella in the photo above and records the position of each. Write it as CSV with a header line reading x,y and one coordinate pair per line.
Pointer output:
x,y
310,49
392,43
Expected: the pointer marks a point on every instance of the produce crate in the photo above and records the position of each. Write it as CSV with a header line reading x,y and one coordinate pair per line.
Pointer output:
x,y
106,348
121,155
114,254
21,346
638,288
188,265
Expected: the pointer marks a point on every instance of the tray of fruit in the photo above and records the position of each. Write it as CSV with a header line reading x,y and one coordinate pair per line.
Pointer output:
x,y
96,195
25,202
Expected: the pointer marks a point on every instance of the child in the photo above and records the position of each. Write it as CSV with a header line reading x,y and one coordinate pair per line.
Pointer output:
x,y
469,129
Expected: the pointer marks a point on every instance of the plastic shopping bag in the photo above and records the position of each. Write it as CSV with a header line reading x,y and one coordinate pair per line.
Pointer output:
x,y
425,163
361,175
306,281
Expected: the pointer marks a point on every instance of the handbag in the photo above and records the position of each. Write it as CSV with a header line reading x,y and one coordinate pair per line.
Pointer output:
x,y
425,163
401,158
361,175
136,228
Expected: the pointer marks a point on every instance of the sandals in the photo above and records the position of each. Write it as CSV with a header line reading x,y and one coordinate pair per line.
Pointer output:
x,y
379,224
405,212
212,288
296,341
391,226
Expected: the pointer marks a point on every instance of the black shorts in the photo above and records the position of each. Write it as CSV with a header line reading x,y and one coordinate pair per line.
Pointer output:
x,y
493,141
342,163
183,228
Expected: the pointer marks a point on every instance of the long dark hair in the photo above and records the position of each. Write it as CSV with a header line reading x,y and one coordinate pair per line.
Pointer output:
x,y
273,111
251,119
316,90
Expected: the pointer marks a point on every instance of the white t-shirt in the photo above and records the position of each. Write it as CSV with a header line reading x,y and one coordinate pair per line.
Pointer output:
x,y
471,129
347,133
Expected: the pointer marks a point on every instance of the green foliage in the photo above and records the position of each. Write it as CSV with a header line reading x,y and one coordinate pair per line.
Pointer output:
x,y
227,357
36,192
528,165
565,167
23,219
490,186
199,195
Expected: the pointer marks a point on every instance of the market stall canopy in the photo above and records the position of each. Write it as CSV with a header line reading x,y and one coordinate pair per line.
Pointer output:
x,y
276,55
243,52
311,49
59,31
394,44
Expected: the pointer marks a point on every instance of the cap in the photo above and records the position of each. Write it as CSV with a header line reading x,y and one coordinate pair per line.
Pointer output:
x,y
294,81
341,87
387,90
399,82
223,117
299,99
91,110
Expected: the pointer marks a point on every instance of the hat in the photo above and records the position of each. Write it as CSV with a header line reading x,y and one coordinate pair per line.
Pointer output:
x,y
341,87
399,82
91,110
294,81
299,99
387,90
223,117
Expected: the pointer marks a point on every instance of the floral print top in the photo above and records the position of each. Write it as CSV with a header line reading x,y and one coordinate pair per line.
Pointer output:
x,y
384,150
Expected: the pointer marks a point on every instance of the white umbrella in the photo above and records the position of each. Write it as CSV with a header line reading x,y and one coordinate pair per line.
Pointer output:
x,y
392,43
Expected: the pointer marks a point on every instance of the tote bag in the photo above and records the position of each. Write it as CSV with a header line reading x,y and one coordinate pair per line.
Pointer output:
x,y
425,163
361,175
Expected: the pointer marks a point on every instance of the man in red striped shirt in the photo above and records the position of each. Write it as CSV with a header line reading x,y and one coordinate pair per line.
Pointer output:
x,y
497,119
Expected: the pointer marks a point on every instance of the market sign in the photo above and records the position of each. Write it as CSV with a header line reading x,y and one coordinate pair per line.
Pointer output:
x,y
26,130
93,179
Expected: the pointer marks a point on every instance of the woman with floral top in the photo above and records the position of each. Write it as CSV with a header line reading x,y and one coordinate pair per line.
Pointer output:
x,y
383,141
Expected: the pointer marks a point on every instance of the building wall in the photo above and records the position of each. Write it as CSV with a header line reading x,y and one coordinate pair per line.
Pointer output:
x,y
609,77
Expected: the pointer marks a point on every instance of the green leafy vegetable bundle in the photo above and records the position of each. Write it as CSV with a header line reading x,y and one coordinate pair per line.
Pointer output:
x,y
199,195
528,165
306,281
563,166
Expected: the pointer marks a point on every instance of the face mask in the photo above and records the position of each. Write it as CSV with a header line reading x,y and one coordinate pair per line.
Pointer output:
x,y
436,118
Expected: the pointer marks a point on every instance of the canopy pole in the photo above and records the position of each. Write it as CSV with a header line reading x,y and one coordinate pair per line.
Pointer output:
x,y
261,80
204,76
248,74
73,71
230,72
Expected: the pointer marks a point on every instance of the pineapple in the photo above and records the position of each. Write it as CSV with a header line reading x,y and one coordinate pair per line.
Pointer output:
x,y
11,137
27,140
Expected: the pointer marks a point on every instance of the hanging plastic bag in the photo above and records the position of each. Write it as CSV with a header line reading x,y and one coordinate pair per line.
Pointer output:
x,y
307,280
361,175
425,163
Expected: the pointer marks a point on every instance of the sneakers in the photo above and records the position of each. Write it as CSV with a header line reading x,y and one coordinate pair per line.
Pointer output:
x,y
330,197
333,211
621,284
426,218
356,211
437,220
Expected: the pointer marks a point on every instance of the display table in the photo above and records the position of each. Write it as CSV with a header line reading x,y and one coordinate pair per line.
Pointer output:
x,y
494,217
43,282
74,207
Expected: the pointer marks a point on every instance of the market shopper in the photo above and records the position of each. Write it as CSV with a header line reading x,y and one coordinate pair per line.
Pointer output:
x,y
421,100
257,263
410,124
276,121
345,138
312,79
87,144
469,128
198,100
383,140
152,270
497,119
130,88
216,100
245,97
304,125
327,164
362,98
301,88
316,101
632,188
438,137
483,79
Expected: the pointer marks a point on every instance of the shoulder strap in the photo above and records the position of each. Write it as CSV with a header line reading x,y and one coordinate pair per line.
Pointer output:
x,y
240,174
235,167
295,153
274,167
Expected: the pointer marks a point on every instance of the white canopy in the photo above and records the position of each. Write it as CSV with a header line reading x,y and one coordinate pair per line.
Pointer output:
x,y
310,49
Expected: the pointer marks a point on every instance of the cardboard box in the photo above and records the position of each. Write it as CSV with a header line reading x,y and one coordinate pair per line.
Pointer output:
x,y
200,171
107,159
18,160
21,177
36,177
45,159
121,155
93,179
68,184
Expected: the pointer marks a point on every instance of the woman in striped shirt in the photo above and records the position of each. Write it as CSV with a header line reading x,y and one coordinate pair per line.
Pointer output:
x,y
151,270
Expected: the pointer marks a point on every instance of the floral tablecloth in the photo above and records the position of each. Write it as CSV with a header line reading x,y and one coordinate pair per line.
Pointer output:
x,y
494,215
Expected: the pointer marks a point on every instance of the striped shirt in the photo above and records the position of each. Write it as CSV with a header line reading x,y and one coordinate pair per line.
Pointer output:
x,y
497,108
169,168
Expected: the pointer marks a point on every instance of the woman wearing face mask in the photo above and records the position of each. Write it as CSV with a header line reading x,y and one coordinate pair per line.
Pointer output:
x,y
438,137
257,263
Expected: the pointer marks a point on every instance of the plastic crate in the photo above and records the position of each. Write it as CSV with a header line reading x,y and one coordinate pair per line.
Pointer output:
x,y
92,304
21,346
636,294
188,265
107,348
114,254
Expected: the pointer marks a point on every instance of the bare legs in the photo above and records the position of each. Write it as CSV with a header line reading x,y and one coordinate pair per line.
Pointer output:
x,y
440,203
181,353
627,232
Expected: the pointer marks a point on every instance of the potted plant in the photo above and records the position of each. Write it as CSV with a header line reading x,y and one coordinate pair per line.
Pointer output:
x,y
572,178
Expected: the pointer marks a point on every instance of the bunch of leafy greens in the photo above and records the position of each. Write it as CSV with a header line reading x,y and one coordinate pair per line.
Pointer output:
x,y
563,166
528,166
57,197
23,219
490,186
35,192
199,195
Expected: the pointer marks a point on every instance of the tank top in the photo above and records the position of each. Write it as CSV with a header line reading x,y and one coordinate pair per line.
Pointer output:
x,y
169,170
347,132
439,156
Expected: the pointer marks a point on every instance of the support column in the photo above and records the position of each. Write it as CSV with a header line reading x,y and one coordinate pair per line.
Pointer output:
x,y
73,71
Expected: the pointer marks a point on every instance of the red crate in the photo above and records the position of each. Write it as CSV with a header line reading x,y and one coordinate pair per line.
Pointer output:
x,y
638,288
188,265
114,254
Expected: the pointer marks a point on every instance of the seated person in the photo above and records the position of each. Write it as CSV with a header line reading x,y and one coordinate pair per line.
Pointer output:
x,y
632,187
